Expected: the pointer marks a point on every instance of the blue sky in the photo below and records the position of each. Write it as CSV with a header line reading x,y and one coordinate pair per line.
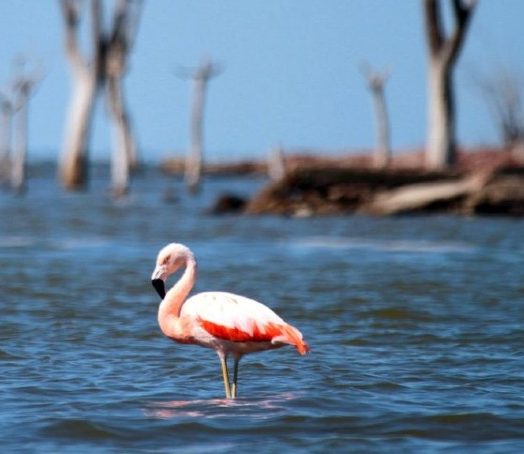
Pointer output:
x,y
292,72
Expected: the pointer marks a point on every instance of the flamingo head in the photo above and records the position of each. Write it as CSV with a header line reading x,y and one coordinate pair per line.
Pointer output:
x,y
169,260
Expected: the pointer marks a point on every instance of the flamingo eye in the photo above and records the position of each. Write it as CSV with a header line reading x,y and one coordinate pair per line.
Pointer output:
x,y
166,260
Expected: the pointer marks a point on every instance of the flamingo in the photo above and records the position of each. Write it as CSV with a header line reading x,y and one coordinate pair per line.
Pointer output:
x,y
228,323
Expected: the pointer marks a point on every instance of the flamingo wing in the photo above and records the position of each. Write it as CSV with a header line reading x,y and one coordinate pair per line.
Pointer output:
x,y
239,319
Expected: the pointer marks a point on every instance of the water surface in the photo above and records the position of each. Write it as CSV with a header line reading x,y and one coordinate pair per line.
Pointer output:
x,y
415,325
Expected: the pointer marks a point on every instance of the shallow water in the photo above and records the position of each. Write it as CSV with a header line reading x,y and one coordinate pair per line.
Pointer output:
x,y
415,324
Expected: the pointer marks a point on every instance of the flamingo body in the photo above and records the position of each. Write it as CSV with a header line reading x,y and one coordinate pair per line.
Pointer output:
x,y
228,323
236,324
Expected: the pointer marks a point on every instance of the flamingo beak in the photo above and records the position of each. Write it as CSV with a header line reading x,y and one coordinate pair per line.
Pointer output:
x,y
157,279
160,288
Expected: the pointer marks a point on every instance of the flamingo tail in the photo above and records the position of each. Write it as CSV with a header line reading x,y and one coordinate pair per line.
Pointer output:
x,y
273,332
290,335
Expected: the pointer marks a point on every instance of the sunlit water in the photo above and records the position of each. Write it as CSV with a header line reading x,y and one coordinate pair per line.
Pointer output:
x,y
415,325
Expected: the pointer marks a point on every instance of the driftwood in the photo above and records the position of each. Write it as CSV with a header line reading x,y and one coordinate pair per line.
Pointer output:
x,y
503,194
336,191
417,197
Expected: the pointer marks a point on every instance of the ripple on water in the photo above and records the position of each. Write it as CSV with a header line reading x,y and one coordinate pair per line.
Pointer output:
x,y
78,429
413,246
415,326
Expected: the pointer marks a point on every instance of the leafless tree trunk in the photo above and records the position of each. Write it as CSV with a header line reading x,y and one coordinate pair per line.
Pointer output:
x,y
22,86
193,169
276,164
443,52
6,117
86,79
18,162
124,155
376,84
104,70
74,160
200,77
119,158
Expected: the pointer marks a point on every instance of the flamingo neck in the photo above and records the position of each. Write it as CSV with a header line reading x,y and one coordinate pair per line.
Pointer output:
x,y
171,305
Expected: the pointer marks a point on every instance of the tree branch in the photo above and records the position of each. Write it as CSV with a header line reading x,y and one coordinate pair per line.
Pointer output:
x,y
462,12
6,104
375,79
125,23
210,69
98,44
118,29
207,70
434,33
122,35
70,14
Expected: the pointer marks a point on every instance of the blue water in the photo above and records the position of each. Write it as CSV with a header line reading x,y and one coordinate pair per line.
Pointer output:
x,y
415,326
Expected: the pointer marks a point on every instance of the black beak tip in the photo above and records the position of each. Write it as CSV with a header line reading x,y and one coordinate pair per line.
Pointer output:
x,y
159,286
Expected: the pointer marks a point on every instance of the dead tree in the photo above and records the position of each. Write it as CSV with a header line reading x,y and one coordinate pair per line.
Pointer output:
x,y
376,83
6,118
194,159
102,70
87,76
21,88
276,164
503,93
124,155
18,161
443,51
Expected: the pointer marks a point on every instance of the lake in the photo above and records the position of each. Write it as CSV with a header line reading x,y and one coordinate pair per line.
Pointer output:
x,y
416,327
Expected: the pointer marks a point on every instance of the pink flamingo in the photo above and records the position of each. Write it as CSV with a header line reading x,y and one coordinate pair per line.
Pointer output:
x,y
227,323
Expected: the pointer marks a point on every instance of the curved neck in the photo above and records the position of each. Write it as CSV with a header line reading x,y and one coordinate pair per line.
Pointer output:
x,y
172,303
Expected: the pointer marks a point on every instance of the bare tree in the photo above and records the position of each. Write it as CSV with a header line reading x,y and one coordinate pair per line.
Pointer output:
x,y
6,118
103,69
15,115
376,83
276,163
87,76
18,161
503,93
124,156
200,77
443,52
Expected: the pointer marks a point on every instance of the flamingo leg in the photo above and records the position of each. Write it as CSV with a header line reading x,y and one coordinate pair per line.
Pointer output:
x,y
225,375
234,387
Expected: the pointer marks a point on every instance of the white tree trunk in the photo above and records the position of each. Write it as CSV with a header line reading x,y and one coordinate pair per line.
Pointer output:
x,y
382,155
73,162
443,51
5,143
441,120
119,163
123,143
276,164
193,168
18,163
131,143
121,117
